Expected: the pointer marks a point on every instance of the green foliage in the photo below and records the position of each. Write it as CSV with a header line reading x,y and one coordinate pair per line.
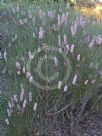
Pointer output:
x,y
20,27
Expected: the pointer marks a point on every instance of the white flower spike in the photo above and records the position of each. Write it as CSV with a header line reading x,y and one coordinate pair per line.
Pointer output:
x,y
59,84
7,121
35,106
24,103
74,80
30,96
65,88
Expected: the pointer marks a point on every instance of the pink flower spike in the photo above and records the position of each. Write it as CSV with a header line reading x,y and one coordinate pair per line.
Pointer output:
x,y
51,14
33,35
15,98
31,79
9,105
0,55
66,22
59,20
59,40
31,56
68,5
67,47
72,48
5,55
93,81
65,39
18,9
24,103
22,93
56,61
4,71
78,57
39,49
41,33
74,29
18,72
86,82
63,19
91,44
28,74
18,66
21,22
35,106
30,96
8,113
24,70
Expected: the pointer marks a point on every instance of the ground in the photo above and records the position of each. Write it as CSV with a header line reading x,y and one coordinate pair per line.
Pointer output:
x,y
89,127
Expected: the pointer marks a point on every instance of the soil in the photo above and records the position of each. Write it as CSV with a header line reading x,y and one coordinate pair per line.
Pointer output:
x,y
92,127
89,127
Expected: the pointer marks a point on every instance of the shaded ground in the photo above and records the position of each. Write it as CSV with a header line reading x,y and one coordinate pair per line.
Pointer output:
x,y
90,127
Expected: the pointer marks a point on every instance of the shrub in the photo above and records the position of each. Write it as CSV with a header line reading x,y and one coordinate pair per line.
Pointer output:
x,y
49,54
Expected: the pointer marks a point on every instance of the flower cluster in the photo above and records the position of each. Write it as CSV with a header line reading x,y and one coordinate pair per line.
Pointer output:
x,y
18,104
24,70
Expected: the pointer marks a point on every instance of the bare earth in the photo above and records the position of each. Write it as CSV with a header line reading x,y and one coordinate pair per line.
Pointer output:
x,y
90,127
